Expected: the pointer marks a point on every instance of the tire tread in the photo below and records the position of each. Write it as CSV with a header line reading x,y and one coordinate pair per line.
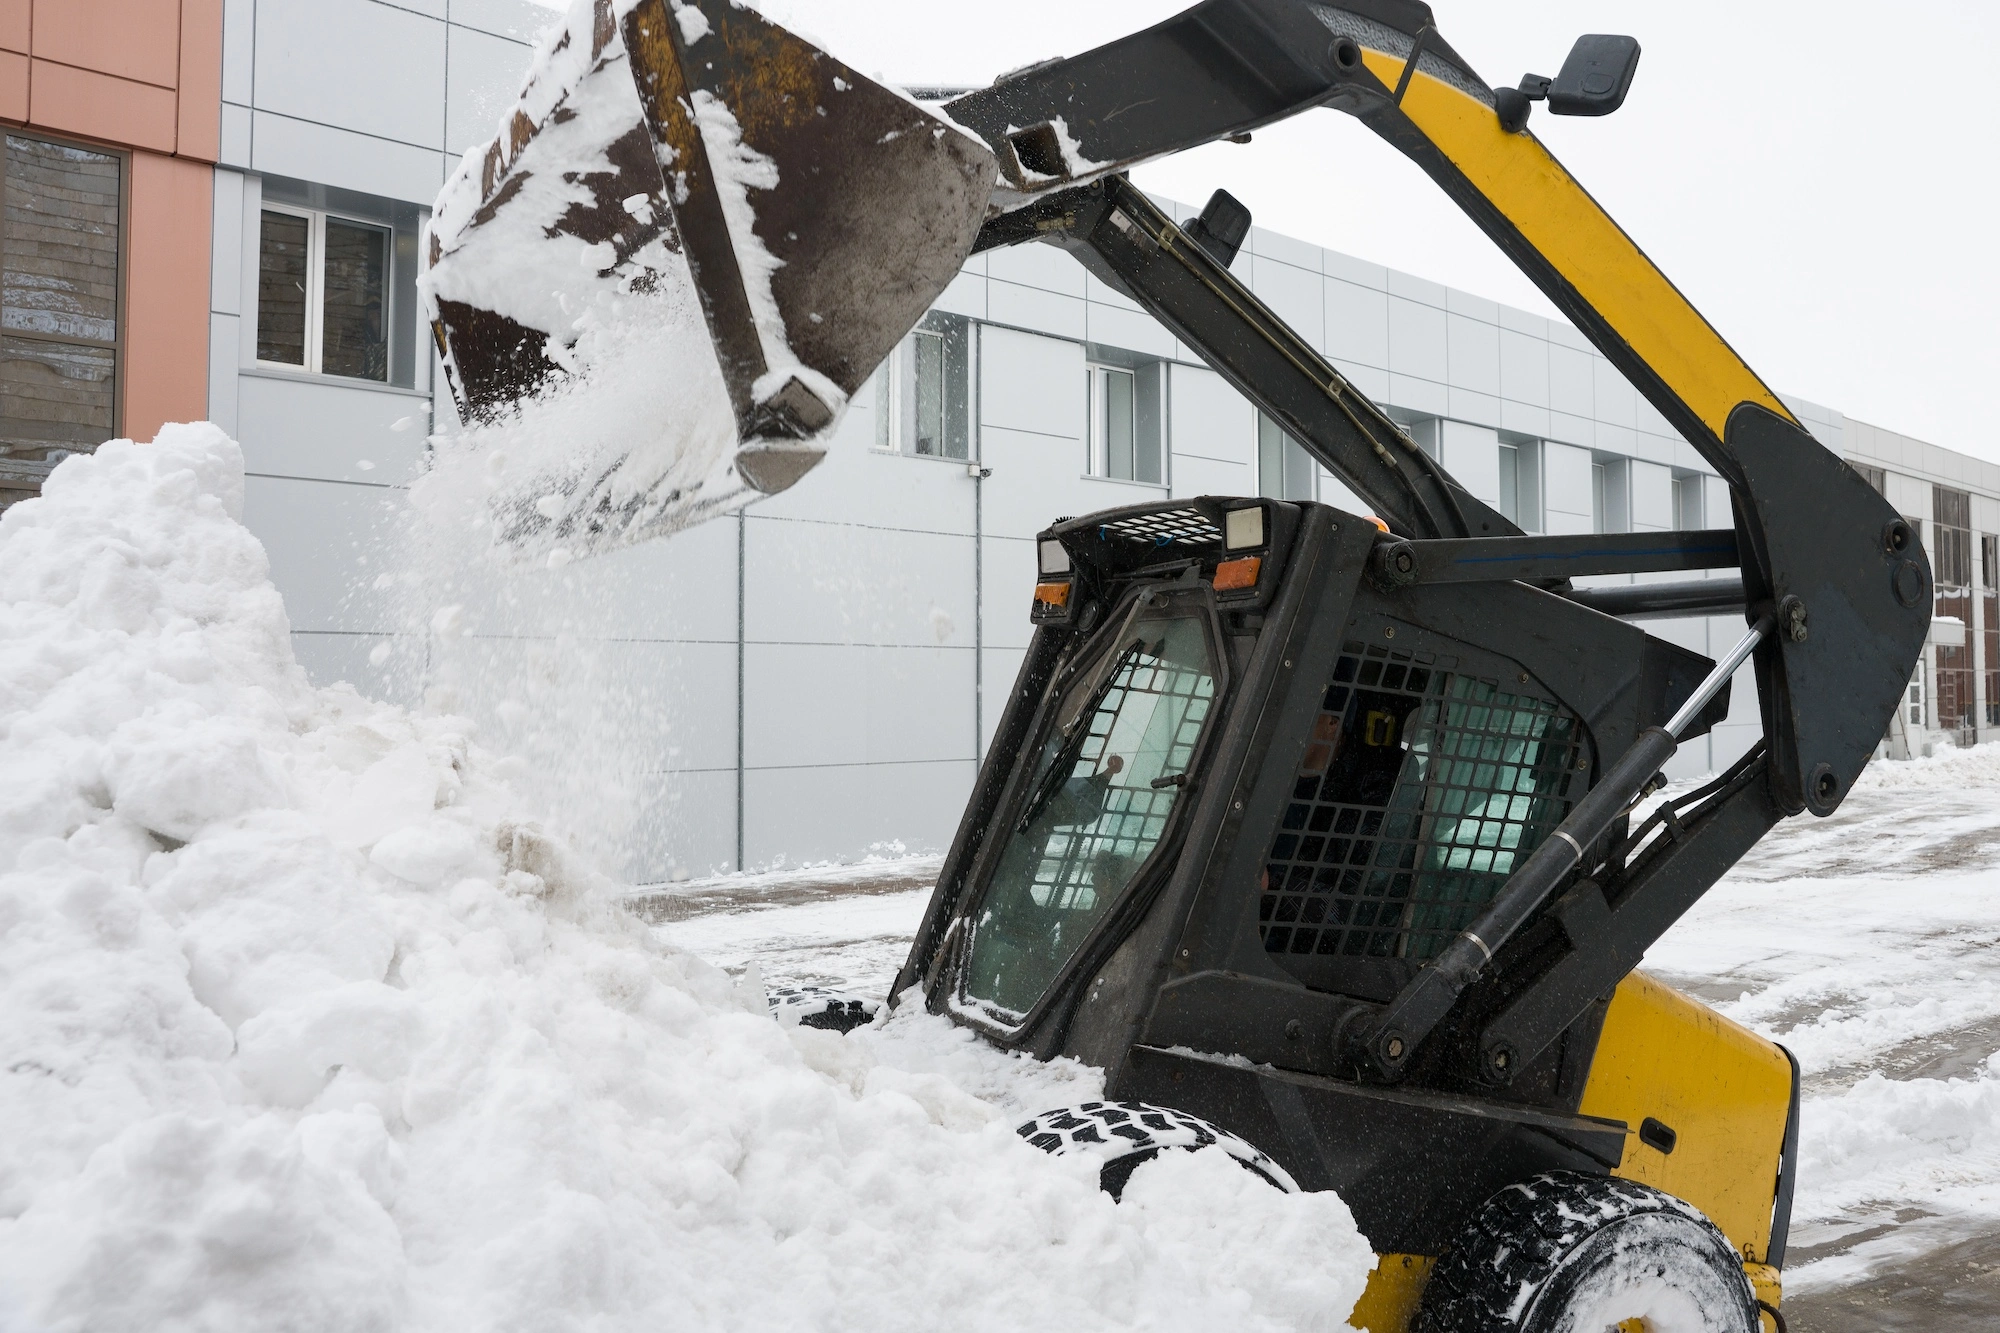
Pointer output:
x,y
1520,1237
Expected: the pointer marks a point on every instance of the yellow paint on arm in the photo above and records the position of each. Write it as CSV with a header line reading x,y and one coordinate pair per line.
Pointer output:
x,y
1556,216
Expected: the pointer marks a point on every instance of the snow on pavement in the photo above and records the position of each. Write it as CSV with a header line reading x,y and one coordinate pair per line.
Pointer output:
x,y
1869,944
304,1026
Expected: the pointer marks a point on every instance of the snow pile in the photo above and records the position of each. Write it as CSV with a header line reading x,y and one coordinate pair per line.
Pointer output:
x,y
1889,1138
304,1029
1950,769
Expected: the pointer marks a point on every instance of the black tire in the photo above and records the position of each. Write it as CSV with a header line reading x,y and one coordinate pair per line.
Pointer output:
x,y
1568,1253
818,1007
1126,1135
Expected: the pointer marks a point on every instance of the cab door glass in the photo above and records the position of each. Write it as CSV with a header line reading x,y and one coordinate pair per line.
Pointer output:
x,y
1096,804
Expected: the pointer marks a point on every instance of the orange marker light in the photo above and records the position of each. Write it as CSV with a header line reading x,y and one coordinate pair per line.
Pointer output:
x,y
1239,573
1378,522
1052,594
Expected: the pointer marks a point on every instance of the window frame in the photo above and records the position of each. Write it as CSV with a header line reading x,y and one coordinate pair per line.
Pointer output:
x,y
315,332
1527,513
1149,401
1289,450
1951,542
1097,407
896,436
1610,493
120,301
1690,493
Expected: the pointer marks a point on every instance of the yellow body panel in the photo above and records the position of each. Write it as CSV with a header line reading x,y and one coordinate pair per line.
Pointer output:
x,y
1581,242
1389,1305
1769,1285
1722,1089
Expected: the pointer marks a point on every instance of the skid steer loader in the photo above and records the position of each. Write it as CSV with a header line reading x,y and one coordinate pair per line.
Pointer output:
x,y
1322,834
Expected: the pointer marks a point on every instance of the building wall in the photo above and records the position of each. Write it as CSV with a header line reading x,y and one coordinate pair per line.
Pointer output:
x,y
1913,469
144,76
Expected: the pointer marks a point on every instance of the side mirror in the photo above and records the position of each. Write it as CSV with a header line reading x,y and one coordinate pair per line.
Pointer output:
x,y
1596,77
1593,82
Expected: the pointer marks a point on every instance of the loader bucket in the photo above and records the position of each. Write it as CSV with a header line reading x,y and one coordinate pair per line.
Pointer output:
x,y
661,148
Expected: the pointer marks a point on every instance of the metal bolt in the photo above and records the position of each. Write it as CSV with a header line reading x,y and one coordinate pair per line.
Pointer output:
x,y
1792,617
1393,1048
1184,953
1294,1030
1389,631
1288,661
1524,678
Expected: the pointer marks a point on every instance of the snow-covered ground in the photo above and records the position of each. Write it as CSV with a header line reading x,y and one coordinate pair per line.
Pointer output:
x,y
304,1025
1869,943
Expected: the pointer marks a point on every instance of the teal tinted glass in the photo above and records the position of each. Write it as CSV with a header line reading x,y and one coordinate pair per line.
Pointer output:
x,y
1097,804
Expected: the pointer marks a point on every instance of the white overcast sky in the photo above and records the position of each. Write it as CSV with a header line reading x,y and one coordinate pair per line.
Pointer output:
x,y
1819,178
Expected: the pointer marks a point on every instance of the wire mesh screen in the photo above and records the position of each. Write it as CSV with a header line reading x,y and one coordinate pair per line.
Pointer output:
x,y
1167,527
1097,808
1423,787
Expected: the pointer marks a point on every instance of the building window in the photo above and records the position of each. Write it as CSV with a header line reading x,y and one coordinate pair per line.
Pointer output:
x,y
1951,553
1951,573
1874,476
60,247
1111,412
1125,422
322,294
1285,471
1989,631
1688,506
922,403
1520,484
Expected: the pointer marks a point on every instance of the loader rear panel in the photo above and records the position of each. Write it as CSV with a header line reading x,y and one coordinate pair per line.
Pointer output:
x,y
1704,1100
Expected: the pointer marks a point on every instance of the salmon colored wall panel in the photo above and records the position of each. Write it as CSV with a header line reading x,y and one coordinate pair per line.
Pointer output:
x,y
166,293
13,86
128,39
97,106
15,23
201,80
